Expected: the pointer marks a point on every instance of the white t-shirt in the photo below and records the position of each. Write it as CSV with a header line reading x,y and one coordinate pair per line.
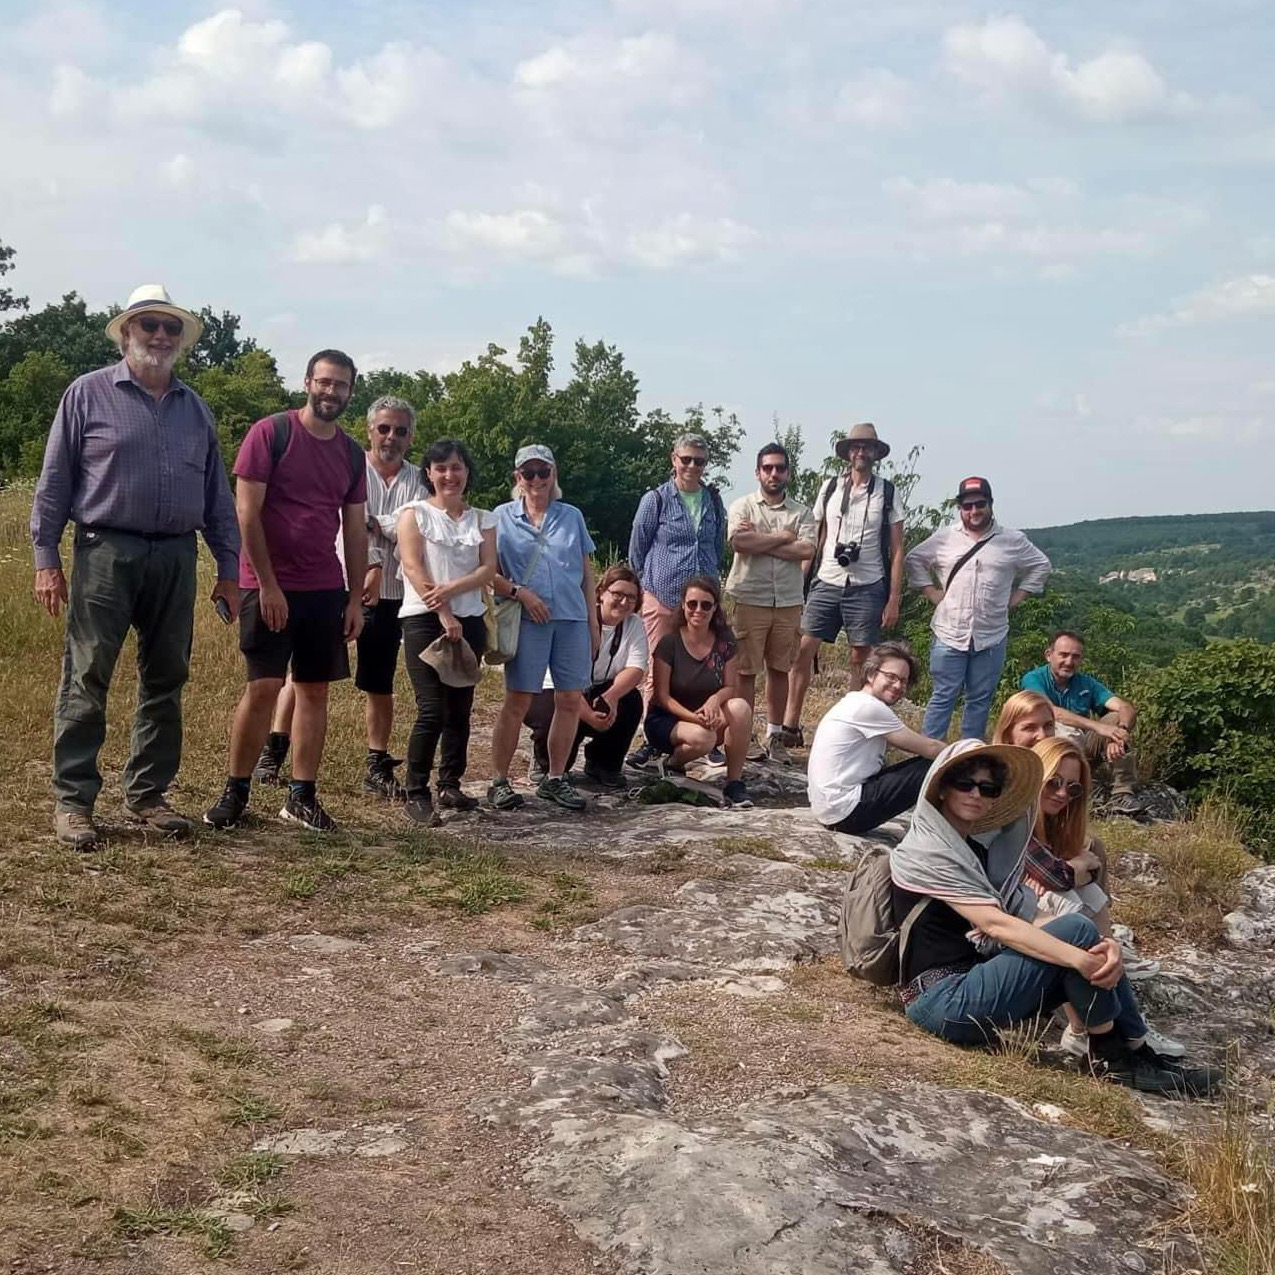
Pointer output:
x,y
848,747
632,652
452,546
862,527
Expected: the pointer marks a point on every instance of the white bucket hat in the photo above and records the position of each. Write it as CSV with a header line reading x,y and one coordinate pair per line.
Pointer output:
x,y
154,298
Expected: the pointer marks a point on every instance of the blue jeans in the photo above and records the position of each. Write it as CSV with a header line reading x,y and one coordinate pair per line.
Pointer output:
x,y
976,672
968,1008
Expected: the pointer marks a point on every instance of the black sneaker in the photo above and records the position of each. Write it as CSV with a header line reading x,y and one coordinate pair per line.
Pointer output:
x,y
310,813
501,796
641,758
736,795
420,809
561,793
716,757
1198,1082
379,780
1140,1069
229,807
605,778
454,799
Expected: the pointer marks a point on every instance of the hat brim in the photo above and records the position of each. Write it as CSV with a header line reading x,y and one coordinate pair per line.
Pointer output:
x,y
843,447
1021,792
455,666
192,324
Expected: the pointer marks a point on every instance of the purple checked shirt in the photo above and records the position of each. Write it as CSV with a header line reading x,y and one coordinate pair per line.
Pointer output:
x,y
118,458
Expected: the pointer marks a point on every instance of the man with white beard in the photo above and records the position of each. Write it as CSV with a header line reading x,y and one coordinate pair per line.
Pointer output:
x,y
133,460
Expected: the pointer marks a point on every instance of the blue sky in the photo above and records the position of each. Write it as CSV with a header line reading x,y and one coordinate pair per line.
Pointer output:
x,y
1039,241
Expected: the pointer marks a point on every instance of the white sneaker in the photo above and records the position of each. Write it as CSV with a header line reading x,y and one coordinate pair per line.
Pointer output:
x,y
1137,967
1163,1044
1076,1043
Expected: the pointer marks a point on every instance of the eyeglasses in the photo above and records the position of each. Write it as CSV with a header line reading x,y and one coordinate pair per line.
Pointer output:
x,y
173,327
986,787
697,461
973,504
893,678
399,431
1070,787
325,384
535,473
698,604
623,595
774,469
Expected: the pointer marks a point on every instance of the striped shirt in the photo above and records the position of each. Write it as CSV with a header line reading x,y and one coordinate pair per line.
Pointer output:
x,y
384,500
117,458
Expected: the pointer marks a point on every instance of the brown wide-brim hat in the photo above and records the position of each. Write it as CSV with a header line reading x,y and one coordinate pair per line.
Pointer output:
x,y
1024,779
454,662
153,298
865,433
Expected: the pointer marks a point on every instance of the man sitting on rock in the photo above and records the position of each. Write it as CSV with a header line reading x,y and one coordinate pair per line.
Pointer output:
x,y
850,787
1090,714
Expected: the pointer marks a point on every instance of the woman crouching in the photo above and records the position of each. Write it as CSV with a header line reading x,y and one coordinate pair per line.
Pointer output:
x,y
973,962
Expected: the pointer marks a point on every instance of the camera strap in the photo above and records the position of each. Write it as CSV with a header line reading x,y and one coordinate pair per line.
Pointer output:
x,y
845,505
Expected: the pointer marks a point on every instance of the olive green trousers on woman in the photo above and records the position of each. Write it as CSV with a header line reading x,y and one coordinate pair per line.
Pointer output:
x,y
121,581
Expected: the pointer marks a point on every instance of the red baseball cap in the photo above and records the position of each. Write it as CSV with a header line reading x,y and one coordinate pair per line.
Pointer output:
x,y
973,487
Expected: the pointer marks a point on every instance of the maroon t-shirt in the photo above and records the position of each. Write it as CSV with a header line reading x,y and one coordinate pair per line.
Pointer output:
x,y
313,481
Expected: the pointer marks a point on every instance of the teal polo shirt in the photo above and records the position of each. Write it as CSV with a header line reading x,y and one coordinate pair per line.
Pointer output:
x,y
1084,695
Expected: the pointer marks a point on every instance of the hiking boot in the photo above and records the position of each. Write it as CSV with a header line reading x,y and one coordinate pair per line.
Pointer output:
x,y
1196,1082
561,793
501,796
420,810
756,752
794,737
1164,1045
537,773
736,795
454,799
229,807
379,779
777,751
641,758
159,816
75,828
605,778
1145,1071
309,812
270,763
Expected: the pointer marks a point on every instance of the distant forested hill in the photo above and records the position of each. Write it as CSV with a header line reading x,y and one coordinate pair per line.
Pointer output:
x,y
1214,573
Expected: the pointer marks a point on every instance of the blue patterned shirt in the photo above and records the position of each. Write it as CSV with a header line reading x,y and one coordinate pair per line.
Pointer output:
x,y
558,574
665,547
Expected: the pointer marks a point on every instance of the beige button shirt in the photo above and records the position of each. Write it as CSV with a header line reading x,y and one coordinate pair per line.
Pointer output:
x,y
760,579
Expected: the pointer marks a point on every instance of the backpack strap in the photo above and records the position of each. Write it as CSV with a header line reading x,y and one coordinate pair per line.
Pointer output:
x,y
821,533
887,508
905,930
964,558
279,439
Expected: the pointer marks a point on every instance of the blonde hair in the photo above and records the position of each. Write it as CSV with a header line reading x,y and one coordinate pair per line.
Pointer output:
x,y
1066,834
1019,705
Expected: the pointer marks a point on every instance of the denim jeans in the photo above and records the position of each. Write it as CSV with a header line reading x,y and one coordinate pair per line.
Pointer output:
x,y
975,672
968,1008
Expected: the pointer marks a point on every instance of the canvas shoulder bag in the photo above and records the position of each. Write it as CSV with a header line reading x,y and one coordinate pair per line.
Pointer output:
x,y
504,615
871,945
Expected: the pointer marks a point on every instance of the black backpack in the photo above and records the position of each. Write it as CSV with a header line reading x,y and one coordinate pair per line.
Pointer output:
x,y
282,422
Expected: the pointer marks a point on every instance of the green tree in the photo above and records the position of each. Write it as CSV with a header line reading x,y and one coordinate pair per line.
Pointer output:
x,y
239,394
7,300
29,398
68,329
219,343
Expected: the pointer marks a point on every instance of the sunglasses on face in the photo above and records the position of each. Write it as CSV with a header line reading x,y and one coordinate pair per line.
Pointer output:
x,y
623,595
1070,787
774,469
697,461
399,431
695,604
986,787
535,473
173,327
973,504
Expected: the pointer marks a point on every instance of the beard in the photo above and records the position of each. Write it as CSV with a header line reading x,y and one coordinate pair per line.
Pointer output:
x,y
138,355
326,409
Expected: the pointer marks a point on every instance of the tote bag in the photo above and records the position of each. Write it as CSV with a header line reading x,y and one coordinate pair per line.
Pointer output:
x,y
504,616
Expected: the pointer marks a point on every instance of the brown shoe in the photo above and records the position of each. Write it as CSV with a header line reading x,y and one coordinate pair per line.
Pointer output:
x,y
76,829
159,816
777,751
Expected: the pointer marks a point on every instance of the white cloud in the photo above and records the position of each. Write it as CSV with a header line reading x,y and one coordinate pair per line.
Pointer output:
x,y
652,64
1249,296
1005,57
179,171
71,91
876,99
944,199
524,232
687,238
340,243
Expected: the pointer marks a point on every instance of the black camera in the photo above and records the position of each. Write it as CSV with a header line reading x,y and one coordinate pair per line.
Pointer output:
x,y
846,554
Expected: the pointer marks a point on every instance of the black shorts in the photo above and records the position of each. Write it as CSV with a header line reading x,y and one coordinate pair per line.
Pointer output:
x,y
378,647
313,638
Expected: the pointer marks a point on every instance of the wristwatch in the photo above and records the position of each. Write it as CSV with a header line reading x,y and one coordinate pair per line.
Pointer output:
x,y
513,590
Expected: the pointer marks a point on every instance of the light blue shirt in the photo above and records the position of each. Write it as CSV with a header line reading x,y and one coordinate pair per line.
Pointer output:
x,y
558,576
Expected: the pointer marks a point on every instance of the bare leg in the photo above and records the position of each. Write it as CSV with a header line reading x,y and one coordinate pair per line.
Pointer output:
x,y
562,730
281,724
310,718
748,688
858,654
252,724
690,742
504,734
738,733
378,713
799,680
776,696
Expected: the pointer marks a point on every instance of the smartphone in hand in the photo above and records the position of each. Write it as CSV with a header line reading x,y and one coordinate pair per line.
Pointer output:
x,y
222,607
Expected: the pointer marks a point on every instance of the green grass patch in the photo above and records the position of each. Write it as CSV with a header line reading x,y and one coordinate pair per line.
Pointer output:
x,y
758,847
250,1108
140,1223
252,1169
226,1051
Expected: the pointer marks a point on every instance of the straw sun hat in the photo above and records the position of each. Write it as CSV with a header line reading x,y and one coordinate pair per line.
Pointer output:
x,y
153,298
1025,774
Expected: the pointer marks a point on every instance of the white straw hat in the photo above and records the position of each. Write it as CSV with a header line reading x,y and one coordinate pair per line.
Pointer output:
x,y
153,298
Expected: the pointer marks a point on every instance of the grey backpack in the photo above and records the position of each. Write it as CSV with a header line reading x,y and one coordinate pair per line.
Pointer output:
x,y
871,945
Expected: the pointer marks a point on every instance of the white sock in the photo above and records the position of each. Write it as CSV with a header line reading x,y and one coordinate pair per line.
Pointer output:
x,y
772,729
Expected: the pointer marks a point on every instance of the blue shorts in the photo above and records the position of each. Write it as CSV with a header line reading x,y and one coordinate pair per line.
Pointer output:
x,y
563,647
856,608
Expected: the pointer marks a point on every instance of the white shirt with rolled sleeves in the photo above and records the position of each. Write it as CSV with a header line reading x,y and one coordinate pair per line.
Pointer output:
x,y
974,613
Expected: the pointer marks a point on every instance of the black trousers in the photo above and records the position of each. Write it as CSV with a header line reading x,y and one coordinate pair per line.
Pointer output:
x,y
442,712
605,750
888,793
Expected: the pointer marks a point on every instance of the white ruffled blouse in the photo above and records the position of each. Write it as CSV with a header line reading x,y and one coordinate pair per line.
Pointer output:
x,y
452,547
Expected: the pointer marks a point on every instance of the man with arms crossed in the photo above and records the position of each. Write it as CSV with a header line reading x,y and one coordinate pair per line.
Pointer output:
x,y
858,567
300,478
773,536
975,572
1084,709
133,460
849,786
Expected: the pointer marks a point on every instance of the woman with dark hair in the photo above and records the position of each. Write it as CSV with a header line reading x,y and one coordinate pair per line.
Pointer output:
x,y
448,552
696,703
612,701
973,959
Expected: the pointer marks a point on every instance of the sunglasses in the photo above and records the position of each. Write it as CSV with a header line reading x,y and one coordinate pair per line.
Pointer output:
x,y
986,787
174,327
535,473
695,604
399,431
623,595
1070,787
697,461
973,504
774,469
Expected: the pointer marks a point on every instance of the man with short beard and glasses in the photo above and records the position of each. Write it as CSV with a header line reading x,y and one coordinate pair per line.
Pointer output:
x,y
301,478
133,460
